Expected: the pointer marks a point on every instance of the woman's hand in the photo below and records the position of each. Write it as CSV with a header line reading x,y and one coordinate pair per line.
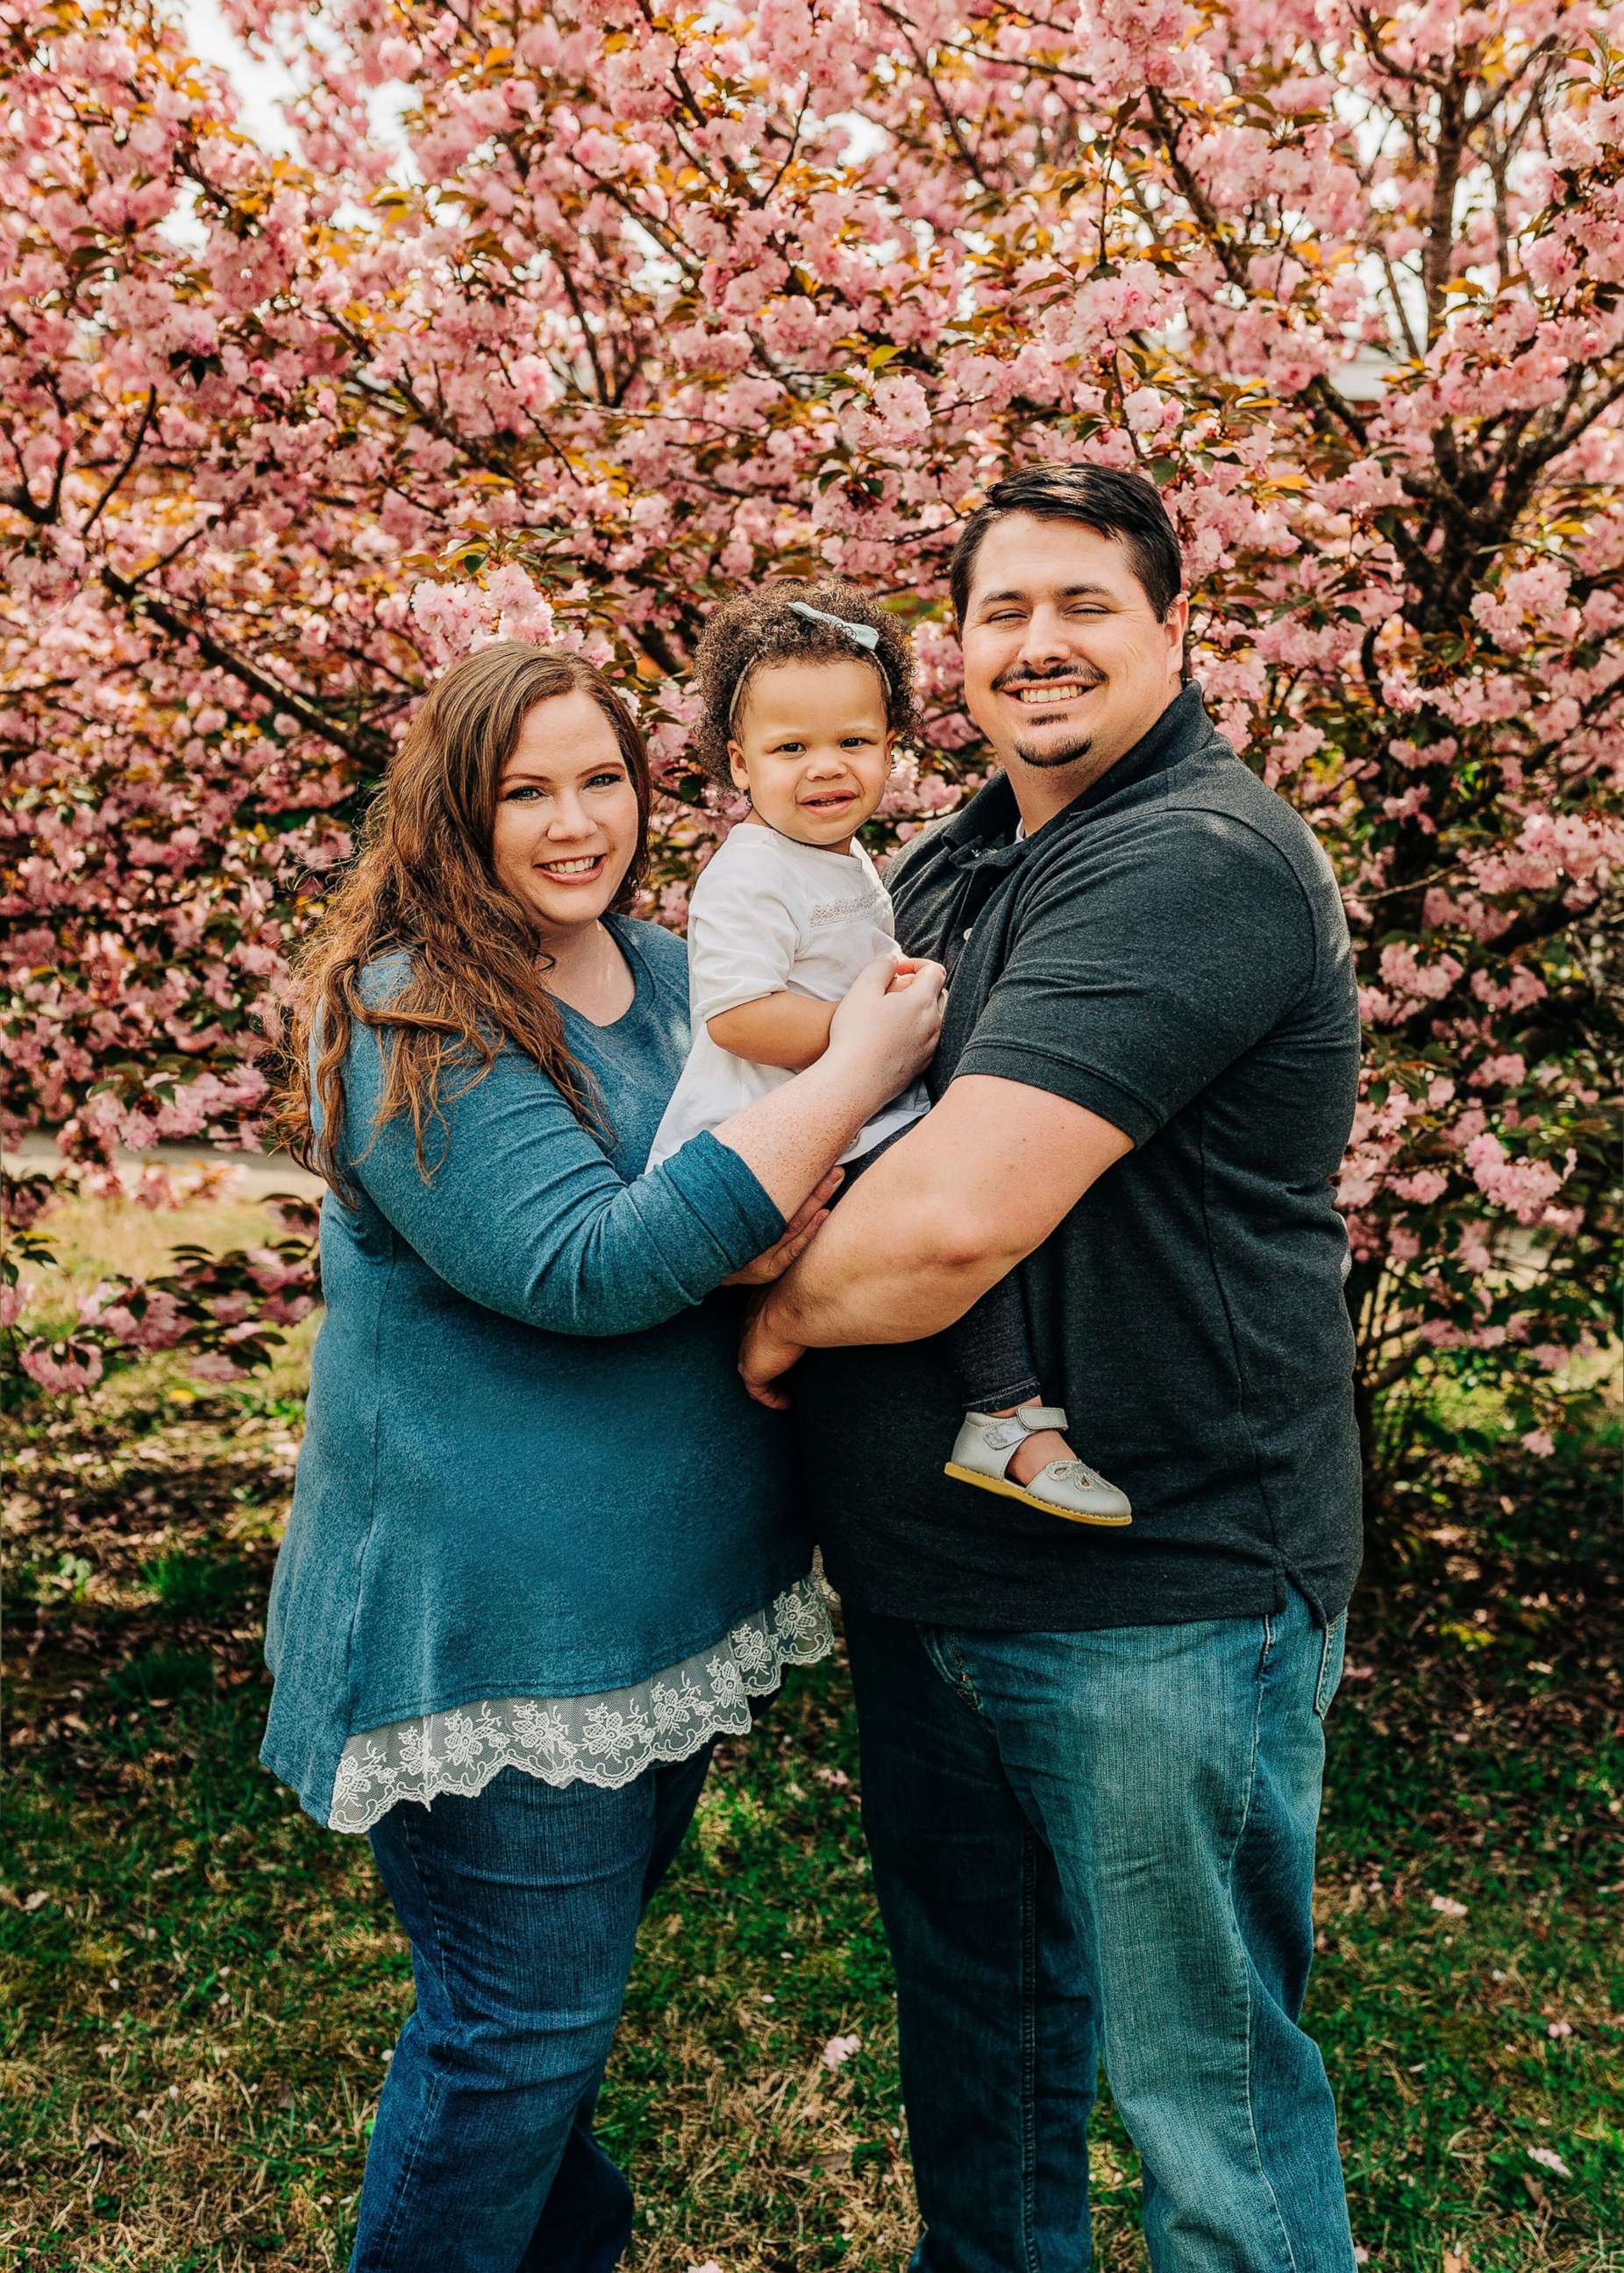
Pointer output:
x,y
886,1029
797,1234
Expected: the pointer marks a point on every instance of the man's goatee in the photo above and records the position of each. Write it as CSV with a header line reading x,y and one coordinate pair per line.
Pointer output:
x,y
1066,756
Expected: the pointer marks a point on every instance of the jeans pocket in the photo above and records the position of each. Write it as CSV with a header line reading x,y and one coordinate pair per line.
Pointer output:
x,y
1332,1651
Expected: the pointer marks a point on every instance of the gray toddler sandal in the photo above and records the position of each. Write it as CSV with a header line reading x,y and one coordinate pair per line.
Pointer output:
x,y
1069,1488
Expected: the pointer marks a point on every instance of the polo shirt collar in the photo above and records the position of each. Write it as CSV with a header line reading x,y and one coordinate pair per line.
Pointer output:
x,y
983,831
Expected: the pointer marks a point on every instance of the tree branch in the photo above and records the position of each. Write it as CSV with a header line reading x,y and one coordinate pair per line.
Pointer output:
x,y
1439,249
131,456
368,747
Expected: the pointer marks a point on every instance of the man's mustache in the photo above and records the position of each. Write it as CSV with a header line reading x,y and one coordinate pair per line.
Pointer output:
x,y
1009,681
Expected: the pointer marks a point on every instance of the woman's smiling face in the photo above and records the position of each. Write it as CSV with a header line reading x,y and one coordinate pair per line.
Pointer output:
x,y
565,828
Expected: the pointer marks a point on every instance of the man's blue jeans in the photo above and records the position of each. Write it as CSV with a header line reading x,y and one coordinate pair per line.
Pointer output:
x,y
1092,1845
521,1905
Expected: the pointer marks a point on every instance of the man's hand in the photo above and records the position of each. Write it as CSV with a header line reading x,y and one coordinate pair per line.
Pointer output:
x,y
765,1357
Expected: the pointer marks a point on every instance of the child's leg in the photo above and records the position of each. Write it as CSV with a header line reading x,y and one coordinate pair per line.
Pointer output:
x,y
991,1354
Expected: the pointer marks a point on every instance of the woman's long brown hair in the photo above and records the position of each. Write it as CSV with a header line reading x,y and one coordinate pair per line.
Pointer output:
x,y
423,883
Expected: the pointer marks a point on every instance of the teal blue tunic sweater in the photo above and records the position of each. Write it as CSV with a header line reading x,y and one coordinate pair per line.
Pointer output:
x,y
529,1467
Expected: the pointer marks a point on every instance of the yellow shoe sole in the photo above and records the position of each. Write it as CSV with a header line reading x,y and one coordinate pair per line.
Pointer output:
x,y
1044,1506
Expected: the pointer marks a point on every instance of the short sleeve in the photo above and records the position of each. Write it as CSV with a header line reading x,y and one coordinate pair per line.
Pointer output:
x,y
1132,982
744,937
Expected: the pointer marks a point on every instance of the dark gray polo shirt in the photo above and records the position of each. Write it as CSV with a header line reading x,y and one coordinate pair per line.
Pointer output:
x,y
1171,951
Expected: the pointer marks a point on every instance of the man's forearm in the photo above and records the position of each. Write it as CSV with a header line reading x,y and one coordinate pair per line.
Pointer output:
x,y
881,1269
972,1188
822,1311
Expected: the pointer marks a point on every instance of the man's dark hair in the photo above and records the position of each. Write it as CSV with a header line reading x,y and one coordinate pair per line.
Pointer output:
x,y
1116,504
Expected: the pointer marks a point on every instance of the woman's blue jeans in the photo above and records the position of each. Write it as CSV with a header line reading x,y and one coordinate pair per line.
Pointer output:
x,y
521,1905
1093,1845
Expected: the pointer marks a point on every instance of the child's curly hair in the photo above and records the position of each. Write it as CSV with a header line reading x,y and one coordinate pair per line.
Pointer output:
x,y
760,626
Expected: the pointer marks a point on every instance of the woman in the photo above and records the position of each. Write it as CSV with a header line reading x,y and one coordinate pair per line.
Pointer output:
x,y
541,1544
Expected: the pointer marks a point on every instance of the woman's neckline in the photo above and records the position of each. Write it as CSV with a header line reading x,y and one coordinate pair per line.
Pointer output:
x,y
634,962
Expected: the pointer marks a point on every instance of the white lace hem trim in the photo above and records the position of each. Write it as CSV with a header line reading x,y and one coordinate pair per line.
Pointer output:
x,y
606,1739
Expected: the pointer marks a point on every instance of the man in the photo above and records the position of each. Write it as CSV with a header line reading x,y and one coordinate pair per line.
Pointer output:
x,y
1092,1759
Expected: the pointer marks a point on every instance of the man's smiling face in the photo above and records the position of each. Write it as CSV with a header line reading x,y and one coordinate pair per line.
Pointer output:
x,y
1066,664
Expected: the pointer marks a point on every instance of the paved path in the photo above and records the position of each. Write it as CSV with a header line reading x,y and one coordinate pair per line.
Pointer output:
x,y
257,1173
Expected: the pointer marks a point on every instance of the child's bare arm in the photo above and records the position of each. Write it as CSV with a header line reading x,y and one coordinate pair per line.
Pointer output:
x,y
779,1030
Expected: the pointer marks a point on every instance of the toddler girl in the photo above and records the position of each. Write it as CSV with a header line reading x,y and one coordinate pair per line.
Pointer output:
x,y
806,690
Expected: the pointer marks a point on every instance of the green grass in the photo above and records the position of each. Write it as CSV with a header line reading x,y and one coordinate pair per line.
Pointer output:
x,y
199,1987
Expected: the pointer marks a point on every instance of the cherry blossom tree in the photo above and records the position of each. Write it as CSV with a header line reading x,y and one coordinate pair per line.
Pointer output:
x,y
561,320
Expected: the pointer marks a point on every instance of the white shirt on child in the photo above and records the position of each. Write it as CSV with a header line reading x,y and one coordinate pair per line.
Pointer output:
x,y
770,916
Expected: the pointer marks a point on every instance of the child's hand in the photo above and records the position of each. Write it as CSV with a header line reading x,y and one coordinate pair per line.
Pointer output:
x,y
803,1226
